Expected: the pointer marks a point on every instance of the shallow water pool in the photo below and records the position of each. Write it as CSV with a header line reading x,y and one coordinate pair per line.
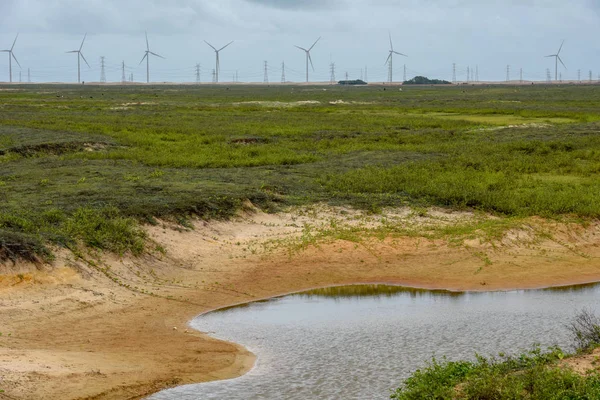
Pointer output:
x,y
360,342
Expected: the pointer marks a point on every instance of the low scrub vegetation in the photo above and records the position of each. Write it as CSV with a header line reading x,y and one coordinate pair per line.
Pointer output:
x,y
103,159
534,375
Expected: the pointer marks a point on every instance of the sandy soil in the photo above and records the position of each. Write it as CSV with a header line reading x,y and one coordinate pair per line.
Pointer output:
x,y
108,327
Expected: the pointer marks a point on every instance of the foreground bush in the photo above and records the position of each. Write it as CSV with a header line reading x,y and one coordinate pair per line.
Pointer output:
x,y
535,375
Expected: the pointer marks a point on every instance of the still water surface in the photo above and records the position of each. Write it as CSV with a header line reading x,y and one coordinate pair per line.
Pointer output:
x,y
359,342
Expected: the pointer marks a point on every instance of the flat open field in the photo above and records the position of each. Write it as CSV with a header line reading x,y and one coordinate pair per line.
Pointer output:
x,y
126,210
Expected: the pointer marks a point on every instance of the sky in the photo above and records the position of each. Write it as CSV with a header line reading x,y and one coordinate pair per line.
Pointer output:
x,y
486,36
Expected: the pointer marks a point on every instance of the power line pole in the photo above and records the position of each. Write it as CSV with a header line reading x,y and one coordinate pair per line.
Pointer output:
x,y
404,76
236,76
332,70
361,74
266,78
123,79
560,77
131,77
454,73
579,75
102,70
521,75
508,73
283,72
548,75
28,75
197,73
468,74
590,76
20,80
214,76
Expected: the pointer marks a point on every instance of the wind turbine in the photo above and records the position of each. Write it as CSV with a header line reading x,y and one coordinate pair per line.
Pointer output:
x,y
308,57
11,55
147,58
557,59
390,59
217,63
79,56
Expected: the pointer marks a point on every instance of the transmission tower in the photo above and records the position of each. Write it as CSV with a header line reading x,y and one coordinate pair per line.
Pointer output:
x,y
283,72
454,73
346,76
361,74
102,70
548,76
579,75
197,73
560,77
214,76
521,75
28,75
508,73
266,77
131,77
590,76
236,76
468,74
404,75
332,70
123,79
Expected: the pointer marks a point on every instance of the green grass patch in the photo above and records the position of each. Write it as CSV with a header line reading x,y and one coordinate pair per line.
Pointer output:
x,y
176,151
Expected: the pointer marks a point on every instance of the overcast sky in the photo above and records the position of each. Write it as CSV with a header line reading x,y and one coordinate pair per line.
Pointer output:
x,y
487,35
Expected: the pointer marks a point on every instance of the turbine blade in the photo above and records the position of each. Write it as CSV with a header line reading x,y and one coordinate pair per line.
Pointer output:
x,y
561,61
561,46
400,54
388,59
301,48
552,55
226,45
311,47
81,54
13,46
391,44
213,47
310,59
83,41
4,51
157,55
72,51
13,56
143,58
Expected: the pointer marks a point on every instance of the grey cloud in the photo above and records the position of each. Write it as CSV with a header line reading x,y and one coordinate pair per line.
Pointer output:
x,y
299,4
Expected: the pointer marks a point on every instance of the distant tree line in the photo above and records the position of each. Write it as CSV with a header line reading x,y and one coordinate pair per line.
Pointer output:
x,y
423,80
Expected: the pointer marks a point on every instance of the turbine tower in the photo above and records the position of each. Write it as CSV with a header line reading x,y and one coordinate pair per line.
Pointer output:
x,y
79,57
390,60
147,58
217,62
11,55
557,59
308,57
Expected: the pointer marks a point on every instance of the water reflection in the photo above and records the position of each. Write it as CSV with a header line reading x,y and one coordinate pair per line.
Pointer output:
x,y
358,342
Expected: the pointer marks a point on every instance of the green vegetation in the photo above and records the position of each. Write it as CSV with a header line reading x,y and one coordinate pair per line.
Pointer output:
x,y
88,164
534,375
422,80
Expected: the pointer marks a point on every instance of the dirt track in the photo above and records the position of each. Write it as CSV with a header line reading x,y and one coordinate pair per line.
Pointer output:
x,y
70,332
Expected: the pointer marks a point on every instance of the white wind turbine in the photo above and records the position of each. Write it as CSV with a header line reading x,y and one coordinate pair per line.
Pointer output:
x,y
217,62
390,60
308,57
557,59
11,55
79,57
147,58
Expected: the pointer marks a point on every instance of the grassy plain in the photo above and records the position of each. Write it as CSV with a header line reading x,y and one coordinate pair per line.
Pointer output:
x,y
88,164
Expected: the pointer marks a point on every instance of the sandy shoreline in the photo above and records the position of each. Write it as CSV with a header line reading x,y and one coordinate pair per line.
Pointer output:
x,y
69,332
